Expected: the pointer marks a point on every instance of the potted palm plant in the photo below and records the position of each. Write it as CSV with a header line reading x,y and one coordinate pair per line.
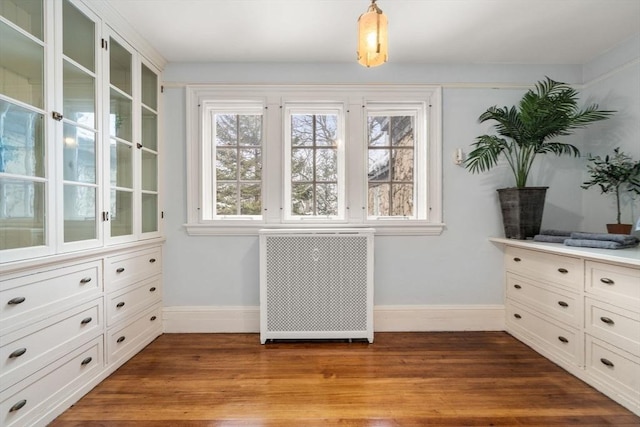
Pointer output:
x,y
614,174
532,127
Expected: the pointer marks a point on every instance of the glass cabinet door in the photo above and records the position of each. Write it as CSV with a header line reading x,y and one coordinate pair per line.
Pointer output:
x,y
149,137
121,147
24,176
80,133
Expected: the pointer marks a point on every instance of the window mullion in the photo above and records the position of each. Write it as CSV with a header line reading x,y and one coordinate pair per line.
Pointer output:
x,y
238,163
314,176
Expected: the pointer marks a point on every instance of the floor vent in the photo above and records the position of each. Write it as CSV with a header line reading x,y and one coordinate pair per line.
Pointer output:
x,y
316,284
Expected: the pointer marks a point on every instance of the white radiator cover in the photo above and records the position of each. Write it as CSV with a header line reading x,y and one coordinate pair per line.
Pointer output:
x,y
316,284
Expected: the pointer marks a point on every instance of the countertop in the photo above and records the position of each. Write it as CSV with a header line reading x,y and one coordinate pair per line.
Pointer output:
x,y
629,256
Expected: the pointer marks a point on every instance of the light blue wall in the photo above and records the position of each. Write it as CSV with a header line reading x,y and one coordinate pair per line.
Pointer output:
x,y
459,267
613,81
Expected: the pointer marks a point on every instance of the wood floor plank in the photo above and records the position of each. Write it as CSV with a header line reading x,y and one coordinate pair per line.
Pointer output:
x,y
403,379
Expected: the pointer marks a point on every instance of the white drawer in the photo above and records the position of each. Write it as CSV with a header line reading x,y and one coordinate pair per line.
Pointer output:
x,y
28,298
29,349
559,303
28,401
129,301
126,269
125,341
614,325
562,341
550,268
617,369
620,285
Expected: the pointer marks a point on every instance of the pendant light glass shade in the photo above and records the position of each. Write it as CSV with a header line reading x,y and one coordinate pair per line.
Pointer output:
x,y
373,42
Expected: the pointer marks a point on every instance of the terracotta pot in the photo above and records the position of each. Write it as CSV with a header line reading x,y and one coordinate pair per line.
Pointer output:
x,y
619,228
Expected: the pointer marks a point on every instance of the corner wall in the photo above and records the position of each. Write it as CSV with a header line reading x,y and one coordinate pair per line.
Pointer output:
x,y
613,81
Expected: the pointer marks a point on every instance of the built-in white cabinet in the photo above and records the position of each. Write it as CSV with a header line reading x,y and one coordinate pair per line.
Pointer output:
x,y
79,139
68,323
580,309
80,203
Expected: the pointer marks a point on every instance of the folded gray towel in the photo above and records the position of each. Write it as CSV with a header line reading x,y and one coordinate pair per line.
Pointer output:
x,y
602,244
552,232
549,238
624,239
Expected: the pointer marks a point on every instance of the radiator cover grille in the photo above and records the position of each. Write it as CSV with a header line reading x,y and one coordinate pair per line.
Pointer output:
x,y
316,285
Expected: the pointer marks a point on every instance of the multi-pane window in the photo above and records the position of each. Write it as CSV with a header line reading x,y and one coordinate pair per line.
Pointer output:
x,y
314,156
391,170
236,152
314,162
238,164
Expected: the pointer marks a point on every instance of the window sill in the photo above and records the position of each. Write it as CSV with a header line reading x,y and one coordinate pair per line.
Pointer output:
x,y
415,228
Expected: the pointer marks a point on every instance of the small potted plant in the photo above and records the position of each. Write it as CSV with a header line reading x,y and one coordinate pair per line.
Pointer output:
x,y
533,126
614,175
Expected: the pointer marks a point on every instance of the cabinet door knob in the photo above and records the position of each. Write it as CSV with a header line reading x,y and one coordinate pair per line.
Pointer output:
x,y
120,270
119,340
608,321
152,289
16,300
517,316
18,405
120,304
86,361
152,260
153,318
516,259
86,320
563,304
563,270
607,362
563,339
85,280
517,286
17,353
607,281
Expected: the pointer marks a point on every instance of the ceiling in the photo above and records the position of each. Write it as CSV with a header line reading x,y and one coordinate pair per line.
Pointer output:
x,y
420,31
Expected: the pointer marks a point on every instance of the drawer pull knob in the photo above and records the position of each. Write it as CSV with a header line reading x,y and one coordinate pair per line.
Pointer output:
x,y
120,304
120,270
85,280
563,339
516,259
152,260
563,304
607,362
517,286
607,281
152,289
119,340
153,318
86,361
17,353
517,316
16,300
86,320
563,270
608,321
18,406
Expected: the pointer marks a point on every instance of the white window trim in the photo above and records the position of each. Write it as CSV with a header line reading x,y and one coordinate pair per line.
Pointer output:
x,y
419,112
308,108
355,98
208,147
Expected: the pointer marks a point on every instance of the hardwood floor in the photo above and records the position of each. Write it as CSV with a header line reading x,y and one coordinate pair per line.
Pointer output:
x,y
403,379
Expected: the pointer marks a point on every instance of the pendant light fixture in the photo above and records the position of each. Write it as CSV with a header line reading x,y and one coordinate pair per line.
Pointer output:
x,y
373,42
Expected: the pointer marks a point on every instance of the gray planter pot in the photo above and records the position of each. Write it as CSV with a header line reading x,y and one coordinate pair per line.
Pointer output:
x,y
522,210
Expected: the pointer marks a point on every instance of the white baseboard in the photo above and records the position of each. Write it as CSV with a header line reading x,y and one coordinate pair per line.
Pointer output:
x,y
388,318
